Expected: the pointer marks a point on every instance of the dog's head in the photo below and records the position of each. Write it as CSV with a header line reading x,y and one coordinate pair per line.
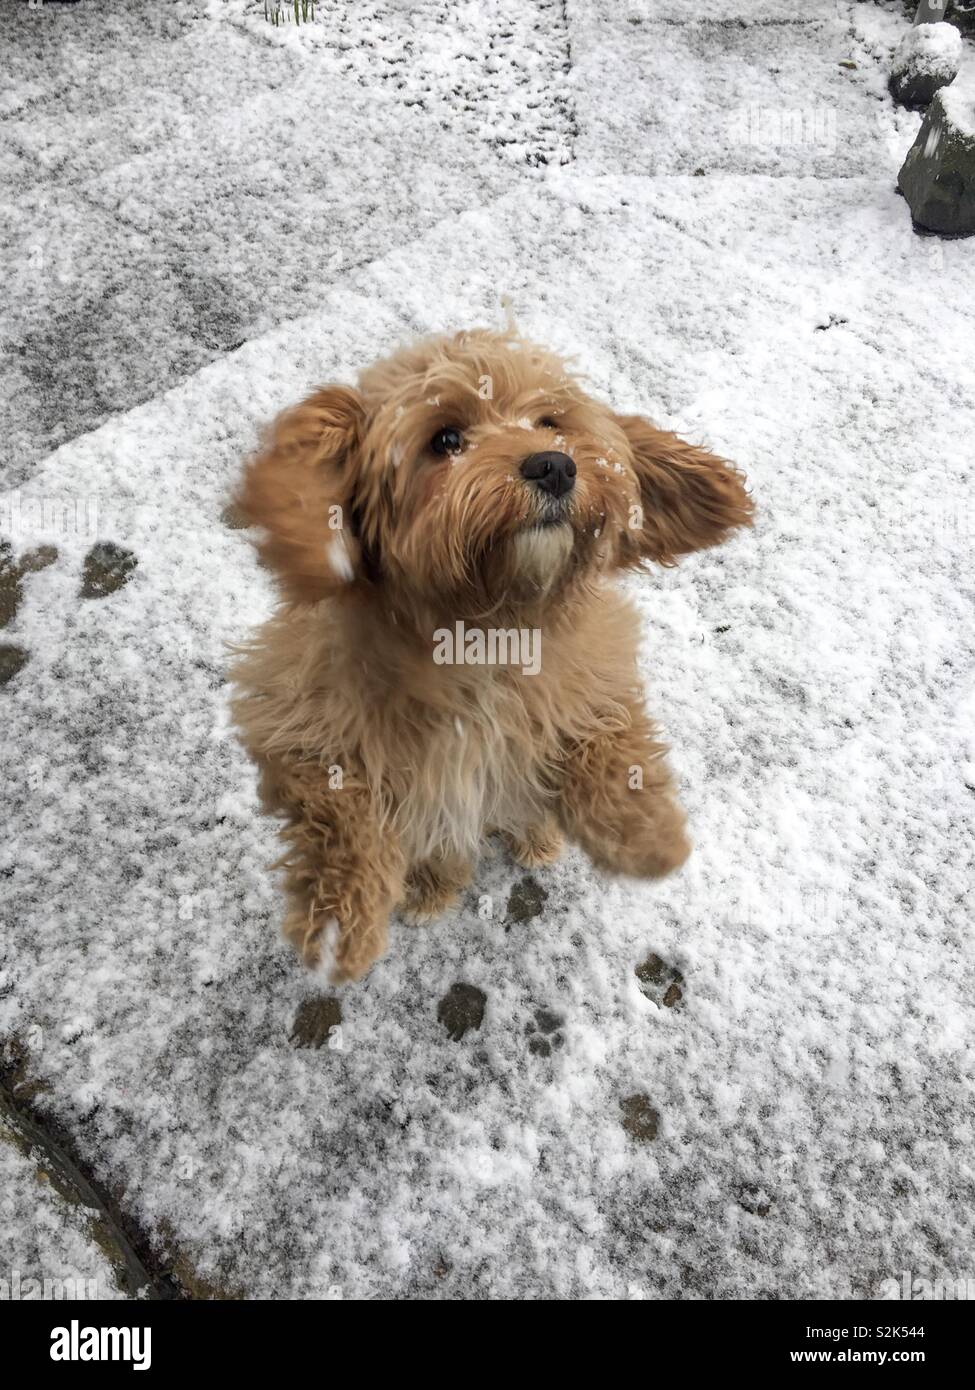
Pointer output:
x,y
472,470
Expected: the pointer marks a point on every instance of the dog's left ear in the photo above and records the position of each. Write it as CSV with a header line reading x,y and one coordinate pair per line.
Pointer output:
x,y
689,499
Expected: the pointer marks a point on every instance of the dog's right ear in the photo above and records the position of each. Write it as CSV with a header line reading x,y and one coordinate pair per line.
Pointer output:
x,y
300,489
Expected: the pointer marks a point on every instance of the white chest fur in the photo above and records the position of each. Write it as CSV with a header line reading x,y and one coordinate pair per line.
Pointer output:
x,y
481,771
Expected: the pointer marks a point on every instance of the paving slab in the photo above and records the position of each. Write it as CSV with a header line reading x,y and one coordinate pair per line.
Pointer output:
x,y
791,1127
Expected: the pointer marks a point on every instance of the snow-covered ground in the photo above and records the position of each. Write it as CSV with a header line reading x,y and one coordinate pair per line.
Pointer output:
x,y
704,213
48,1249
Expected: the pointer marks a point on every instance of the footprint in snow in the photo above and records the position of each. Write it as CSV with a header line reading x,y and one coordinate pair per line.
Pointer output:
x,y
461,1010
660,982
755,1200
525,901
545,1033
12,574
315,1023
640,1118
106,567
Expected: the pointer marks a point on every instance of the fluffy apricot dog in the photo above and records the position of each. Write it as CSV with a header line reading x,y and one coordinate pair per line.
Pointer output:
x,y
451,657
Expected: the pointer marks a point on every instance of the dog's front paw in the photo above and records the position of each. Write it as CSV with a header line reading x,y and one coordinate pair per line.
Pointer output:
x,y
320,951
535,847
334,952
644,837
431,888
650,846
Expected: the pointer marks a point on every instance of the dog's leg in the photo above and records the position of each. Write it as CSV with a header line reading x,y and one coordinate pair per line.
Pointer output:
x,y
343,874
433,885
535,846
617,801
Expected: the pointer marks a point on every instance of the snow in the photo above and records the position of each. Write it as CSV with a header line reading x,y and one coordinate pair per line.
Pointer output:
x,y
814,1082
932,49
185,197
46,1246
704,96
958,103
498,64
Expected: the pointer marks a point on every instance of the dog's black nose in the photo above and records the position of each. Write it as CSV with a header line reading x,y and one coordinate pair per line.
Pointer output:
x,y
552,472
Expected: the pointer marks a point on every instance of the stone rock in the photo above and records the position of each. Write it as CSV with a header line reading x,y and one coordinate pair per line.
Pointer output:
x,y
107,567
461,1009
963,16
938,176
927,59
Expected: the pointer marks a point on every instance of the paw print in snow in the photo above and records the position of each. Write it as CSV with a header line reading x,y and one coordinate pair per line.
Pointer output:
x,y
107,567
12,573
660,982
525,901
545,1033
461,1010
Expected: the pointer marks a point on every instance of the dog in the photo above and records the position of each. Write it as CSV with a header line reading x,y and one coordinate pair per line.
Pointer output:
x,y
467,492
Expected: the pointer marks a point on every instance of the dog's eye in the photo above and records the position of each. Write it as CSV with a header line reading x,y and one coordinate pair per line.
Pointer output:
x,y
547,423
447,441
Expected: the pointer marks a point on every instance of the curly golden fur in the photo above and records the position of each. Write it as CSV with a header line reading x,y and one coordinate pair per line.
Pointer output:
x,y
388,767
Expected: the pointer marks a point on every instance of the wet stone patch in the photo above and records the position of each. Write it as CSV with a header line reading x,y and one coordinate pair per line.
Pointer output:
x,y
314,1021
640,1119
107,567
461,1010
526,900
660,982
12,660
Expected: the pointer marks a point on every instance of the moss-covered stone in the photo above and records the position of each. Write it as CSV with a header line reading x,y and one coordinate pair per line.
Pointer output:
x,y
927,59
938,176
